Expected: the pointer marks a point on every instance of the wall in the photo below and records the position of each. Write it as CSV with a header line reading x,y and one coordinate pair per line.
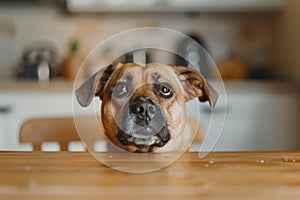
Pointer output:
x,y
225,34
287,37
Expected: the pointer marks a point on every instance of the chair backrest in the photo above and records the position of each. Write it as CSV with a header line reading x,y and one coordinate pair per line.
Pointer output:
x,y
39,130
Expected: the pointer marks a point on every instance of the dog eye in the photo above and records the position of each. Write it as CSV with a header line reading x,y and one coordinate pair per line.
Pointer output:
x,y
120,89
165,90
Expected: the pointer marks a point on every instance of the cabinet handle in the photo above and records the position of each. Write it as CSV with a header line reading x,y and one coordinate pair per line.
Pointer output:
x,y
216,110
5,109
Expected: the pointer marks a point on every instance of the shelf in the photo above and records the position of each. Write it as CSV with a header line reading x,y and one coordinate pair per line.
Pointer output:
x,y
105,6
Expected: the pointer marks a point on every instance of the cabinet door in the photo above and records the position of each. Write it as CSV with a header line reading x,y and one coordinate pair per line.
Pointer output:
x,y
30,104
257,120
4,112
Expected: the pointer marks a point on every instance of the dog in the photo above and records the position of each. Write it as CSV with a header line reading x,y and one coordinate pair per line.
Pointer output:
x,y
143,108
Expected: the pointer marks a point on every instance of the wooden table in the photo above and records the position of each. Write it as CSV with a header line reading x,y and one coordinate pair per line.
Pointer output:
x,y
64,175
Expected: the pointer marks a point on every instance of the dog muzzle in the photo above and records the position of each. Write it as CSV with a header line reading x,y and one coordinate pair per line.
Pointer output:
x,y
143,124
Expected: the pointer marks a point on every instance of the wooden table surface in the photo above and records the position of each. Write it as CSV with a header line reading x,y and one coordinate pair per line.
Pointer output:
x,y
65,175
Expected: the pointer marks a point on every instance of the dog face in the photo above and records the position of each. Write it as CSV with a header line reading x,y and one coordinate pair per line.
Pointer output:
x,y
143,108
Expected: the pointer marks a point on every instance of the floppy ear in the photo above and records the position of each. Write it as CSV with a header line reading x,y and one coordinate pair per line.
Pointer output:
x,y
93,86
196,86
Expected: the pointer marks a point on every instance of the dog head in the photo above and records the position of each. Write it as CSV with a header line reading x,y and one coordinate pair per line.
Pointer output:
x,y
143,108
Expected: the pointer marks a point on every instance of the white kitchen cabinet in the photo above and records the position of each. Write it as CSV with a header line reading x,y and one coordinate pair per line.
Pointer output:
x,y
24,104
260,116
3,125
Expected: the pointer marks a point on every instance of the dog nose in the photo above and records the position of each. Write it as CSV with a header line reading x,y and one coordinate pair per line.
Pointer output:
x,y
143,108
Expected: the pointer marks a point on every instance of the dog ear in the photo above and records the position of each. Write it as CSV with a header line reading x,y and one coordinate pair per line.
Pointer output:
x,y
196,85
93,86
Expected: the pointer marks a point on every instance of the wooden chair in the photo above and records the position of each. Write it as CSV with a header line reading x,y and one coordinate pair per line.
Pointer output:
x,y
39,130
63,130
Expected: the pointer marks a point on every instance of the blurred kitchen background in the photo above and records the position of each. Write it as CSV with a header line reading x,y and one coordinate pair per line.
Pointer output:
x,y
255,44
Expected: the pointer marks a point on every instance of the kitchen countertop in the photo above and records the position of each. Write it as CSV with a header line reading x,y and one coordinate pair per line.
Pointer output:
x,y
221,175
62,84
55,85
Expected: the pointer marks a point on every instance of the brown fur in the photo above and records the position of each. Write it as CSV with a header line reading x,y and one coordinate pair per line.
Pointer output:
x,y
186,84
